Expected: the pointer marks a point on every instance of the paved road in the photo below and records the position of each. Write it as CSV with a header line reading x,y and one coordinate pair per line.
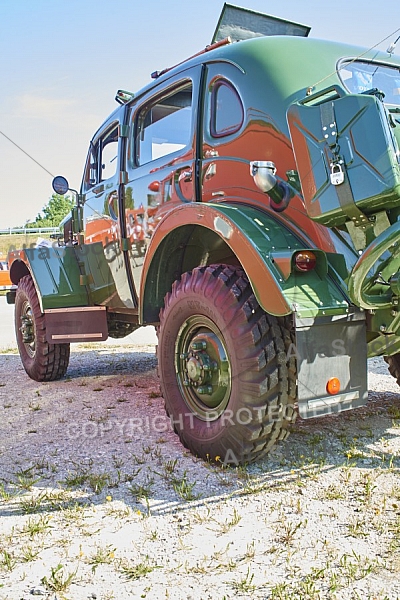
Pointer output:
x,y
143,336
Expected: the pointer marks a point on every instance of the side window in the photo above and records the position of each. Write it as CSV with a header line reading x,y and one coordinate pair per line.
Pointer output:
x,y
92,170
164,126
226,110
109,154
102,158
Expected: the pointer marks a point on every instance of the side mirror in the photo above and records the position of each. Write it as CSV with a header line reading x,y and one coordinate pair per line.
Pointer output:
x,y
60,185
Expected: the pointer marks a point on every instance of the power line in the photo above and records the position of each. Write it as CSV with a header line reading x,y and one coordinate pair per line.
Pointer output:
x,y
31,157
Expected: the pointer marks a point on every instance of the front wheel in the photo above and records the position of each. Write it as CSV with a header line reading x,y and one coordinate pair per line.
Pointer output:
x,y
227,379
393,363
42,361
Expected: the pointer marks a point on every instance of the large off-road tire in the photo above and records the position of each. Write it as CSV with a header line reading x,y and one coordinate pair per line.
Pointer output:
x,y
394,366
228,380
41,360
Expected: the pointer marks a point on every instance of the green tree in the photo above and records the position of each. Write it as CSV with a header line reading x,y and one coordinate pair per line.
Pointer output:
x,y
53,213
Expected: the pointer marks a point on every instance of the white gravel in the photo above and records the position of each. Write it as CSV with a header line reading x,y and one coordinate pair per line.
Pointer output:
x,y
97,495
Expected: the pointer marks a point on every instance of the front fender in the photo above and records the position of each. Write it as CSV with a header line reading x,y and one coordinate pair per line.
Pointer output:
x,y
200,234
55,273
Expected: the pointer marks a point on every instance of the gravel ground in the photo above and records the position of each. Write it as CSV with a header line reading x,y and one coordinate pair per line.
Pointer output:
x,y
98,499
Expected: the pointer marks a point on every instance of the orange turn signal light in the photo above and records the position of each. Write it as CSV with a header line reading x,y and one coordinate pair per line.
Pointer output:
x,y
305,260
333,386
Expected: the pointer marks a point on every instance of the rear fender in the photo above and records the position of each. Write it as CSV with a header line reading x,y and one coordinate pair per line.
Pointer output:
x,y
200,234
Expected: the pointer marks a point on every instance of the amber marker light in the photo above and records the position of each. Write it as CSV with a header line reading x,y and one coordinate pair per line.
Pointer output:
x,y
154,186
333,386
305,260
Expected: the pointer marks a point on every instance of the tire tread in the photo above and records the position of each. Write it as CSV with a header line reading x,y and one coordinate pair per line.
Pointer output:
x,y
50,361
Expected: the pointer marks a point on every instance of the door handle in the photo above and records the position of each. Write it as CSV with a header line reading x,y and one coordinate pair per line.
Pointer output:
x,y
185,176
99,189
112,209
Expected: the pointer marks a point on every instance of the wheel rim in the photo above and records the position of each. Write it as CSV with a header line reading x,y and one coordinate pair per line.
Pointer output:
x,y
27,329
202,368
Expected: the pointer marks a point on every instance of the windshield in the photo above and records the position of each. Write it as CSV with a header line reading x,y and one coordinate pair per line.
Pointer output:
x,y
359,77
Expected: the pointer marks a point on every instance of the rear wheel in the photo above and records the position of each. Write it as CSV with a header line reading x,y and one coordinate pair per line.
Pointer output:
x,y
228,381
41,360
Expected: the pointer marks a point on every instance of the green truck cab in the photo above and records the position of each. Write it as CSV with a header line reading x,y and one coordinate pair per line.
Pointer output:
x,y
246,203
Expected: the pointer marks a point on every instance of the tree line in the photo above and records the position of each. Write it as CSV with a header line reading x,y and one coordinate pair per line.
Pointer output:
x,y
53,213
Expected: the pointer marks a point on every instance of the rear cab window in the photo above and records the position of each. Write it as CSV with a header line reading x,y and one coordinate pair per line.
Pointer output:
x,y
227,112
361,76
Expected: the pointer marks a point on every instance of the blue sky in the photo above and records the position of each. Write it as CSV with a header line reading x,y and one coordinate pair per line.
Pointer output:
x,y
61,62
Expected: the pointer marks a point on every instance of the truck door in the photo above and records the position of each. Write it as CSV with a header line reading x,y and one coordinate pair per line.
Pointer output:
x,y
161,160
237,127
226,146
103,218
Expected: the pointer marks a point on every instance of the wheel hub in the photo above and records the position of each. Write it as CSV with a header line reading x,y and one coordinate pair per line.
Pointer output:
x,y
198,365
194,369
203,369
27,329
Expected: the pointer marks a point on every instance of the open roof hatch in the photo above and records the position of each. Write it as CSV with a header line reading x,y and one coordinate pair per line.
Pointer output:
x,y
235,24
241,24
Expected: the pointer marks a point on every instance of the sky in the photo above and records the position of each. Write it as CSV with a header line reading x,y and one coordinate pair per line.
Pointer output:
x,y
62,61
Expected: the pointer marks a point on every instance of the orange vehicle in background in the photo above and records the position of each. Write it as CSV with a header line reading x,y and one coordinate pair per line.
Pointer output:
x,y
5,281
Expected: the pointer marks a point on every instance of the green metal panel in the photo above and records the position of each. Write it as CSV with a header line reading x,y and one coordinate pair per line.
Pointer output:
x,y
71,276
309,294
100,282
56,274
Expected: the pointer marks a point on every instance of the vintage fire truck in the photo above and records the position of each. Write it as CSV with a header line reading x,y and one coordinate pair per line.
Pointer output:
x,y
246,203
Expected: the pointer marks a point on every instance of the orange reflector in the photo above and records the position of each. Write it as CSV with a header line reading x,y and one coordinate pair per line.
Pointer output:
x,y
305,260
333,386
